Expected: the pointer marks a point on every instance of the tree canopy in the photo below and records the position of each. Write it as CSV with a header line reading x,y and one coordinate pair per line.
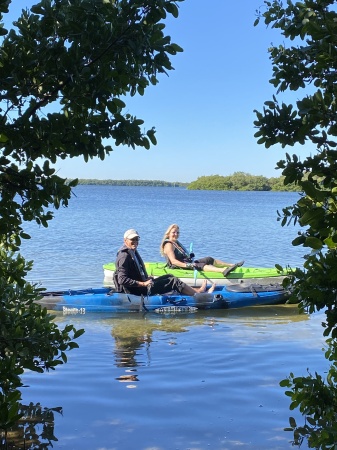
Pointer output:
x,y
241,181
66,71
306,62
67,68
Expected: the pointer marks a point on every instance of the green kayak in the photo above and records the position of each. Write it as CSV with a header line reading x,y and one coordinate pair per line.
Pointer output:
x,y
155,269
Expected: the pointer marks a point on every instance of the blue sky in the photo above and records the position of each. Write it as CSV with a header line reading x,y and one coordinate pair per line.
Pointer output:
x,y
202,112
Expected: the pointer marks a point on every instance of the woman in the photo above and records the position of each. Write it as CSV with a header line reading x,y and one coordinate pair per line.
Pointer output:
x,y
178,257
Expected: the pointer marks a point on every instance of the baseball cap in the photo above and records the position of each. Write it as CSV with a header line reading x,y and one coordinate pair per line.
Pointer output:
x,y
130,234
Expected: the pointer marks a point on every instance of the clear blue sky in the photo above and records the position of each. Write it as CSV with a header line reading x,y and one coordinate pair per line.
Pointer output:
x,y
202,112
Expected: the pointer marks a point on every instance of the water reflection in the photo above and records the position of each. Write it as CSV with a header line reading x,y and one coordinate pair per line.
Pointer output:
x,y
133,336
130,322
271,315
135,373
35,430
133,333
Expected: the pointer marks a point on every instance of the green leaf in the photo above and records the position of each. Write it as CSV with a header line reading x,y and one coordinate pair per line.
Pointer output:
x,y
300,240
64,68
313,243
172,9
292,422
313,217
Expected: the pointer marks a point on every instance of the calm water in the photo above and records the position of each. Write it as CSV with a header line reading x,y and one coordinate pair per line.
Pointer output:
x,y
187,382
229,225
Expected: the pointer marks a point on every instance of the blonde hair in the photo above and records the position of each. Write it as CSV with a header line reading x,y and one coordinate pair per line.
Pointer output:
x,y
165,237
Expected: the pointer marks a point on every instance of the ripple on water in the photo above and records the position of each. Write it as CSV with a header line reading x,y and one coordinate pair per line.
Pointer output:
x,y
207,381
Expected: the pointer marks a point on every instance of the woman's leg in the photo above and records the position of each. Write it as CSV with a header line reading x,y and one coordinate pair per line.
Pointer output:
x,y
219,263
208,268
212,262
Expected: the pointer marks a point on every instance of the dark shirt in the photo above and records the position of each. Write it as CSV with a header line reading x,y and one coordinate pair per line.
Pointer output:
x,y
130,268
180,253
129,271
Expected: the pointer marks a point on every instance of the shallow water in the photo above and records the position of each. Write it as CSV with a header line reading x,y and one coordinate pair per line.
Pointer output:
x,y
207,380
185,382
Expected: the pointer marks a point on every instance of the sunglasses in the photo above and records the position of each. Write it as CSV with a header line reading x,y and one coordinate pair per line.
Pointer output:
x,y
135,239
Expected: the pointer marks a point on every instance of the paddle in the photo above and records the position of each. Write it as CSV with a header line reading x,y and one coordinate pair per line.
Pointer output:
x,y
195,270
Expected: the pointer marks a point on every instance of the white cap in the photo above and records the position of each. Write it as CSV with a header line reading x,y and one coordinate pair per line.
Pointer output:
x,y
130,234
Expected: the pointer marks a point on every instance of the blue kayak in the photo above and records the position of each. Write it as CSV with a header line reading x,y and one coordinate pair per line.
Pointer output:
x,y
108,300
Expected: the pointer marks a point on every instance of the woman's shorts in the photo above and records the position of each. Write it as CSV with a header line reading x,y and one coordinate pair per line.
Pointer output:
x,y
202,262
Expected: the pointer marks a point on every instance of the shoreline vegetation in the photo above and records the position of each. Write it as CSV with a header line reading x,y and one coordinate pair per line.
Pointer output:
x,y
239,181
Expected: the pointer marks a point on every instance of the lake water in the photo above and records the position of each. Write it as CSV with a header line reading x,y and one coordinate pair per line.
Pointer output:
x,y
208,380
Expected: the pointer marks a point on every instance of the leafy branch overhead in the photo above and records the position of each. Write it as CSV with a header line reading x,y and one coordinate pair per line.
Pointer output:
x,y
66,71
308,66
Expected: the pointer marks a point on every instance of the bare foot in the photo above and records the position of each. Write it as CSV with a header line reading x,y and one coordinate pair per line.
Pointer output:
x,y
202,288
211,289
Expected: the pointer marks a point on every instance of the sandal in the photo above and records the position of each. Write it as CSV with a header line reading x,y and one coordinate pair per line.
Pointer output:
x,y
231,268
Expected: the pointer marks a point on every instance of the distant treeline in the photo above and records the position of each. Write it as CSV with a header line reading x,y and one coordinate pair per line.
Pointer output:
x,y
239,181
133,183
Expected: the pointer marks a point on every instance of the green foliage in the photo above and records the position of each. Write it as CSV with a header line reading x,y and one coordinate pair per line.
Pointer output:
x,y
131,183
240,181
309,65
316,399
278,184
66,70
29,339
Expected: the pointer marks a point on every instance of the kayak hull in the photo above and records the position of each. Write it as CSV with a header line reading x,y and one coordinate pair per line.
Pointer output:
x,y
258,275
108,300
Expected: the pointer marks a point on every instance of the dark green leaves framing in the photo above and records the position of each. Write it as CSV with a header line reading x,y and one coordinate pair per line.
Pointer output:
x,y
67,70
66,73
306,62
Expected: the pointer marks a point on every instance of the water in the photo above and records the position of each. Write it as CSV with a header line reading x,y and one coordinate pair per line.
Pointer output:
x,y
228,225
208,380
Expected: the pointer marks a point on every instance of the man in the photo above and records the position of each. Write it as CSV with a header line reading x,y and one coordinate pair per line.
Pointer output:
x,y
131,276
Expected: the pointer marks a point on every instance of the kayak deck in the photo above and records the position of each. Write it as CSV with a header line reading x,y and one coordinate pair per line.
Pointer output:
x,y
108,300
155,269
